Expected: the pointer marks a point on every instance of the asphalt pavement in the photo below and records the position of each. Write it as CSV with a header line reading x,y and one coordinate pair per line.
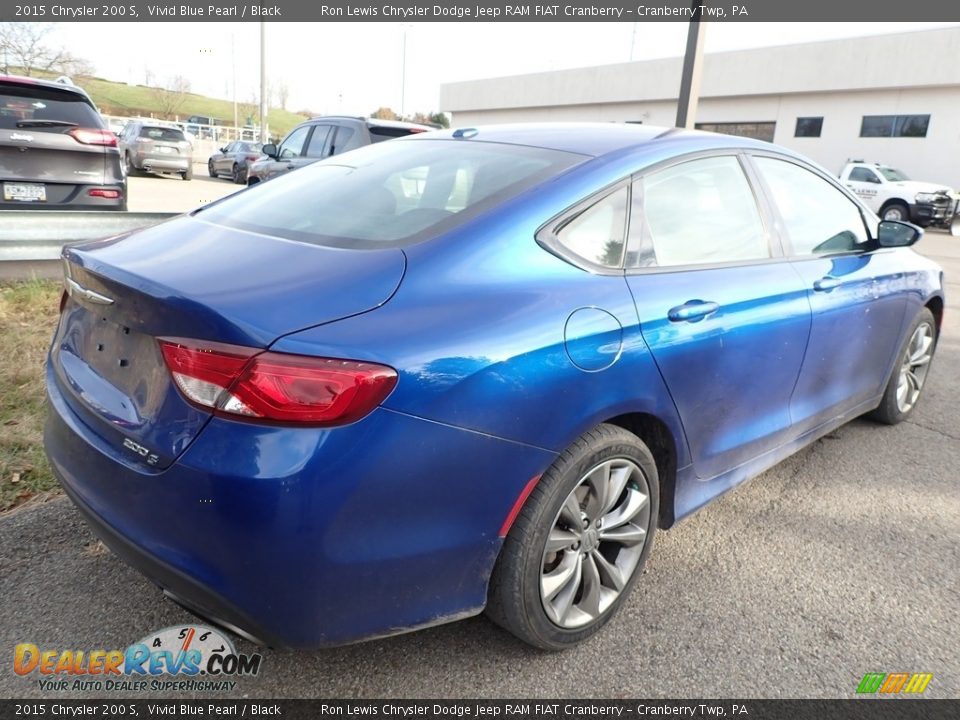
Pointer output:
x,y
843,560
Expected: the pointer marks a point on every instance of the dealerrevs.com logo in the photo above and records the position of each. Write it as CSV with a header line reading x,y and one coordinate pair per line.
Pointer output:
x,y
187,658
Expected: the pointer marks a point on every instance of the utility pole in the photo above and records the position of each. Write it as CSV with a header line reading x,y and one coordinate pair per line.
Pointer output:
x,y
233,63
264,134
403,77
692,71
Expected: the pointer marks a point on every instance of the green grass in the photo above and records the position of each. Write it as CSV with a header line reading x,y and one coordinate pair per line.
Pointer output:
x,y
117,98
28,315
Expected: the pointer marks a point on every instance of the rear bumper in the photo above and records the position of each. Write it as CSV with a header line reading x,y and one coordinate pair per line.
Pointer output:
x,y
305,538
73,197
162,163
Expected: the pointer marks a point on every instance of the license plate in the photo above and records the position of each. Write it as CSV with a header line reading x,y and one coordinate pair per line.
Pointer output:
x,y
165,150
25,192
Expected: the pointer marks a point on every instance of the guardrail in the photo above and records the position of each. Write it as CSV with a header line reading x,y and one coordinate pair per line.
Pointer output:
x,y
28,236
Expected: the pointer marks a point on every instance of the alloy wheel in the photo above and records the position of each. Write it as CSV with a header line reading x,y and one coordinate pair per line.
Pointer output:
x,y
915,366
595,543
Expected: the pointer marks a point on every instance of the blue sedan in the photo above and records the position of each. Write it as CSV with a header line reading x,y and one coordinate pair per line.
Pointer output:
x,y
470,370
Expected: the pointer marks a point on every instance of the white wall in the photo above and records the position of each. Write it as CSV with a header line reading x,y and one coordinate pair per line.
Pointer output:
x,y
840,80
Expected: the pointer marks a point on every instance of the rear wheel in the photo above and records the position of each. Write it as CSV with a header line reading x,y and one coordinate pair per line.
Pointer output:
x,y
910,373
579,543
128,166
188,173
211,170
235,174
896,211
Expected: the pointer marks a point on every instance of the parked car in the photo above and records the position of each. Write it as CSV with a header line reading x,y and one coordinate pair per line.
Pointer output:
x,y
894,196
323,137
56,151
150,146
233,160
471,369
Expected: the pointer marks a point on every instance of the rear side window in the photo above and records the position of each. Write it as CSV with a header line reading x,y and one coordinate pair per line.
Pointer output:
x,y
819,218
390,194
162,133
597,233
697,212
45,110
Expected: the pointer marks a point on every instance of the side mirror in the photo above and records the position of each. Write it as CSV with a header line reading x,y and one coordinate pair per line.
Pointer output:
x,y
270,150
223,149
875,180
892,233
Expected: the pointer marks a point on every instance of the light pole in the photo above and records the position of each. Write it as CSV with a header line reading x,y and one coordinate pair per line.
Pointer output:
x,y
264,135
403,72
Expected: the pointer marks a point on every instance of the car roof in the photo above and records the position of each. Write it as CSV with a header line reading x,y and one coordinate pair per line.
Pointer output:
x,y
375,122
62,83
594,139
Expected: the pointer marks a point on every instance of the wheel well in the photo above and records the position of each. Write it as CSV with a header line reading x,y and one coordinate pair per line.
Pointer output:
x,y
893,201
659,439
935,305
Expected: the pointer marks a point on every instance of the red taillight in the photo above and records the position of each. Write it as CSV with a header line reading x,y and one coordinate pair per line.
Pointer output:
x,y
251,384
252,157
93,136
100,192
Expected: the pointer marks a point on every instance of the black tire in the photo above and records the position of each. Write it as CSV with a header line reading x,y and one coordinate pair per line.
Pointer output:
x,y
514,598
235,175
211,170
188,173
891,411
896,211
129,167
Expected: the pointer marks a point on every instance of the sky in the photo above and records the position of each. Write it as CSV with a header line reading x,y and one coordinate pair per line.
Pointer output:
x,y
355,68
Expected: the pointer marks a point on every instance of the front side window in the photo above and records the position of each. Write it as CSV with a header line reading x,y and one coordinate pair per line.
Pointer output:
x,y
597,233
697,212
318,141
819,218
862,174
893,175
293,146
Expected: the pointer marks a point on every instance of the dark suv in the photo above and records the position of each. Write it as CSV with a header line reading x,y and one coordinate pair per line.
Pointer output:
x,y
322,137
56,152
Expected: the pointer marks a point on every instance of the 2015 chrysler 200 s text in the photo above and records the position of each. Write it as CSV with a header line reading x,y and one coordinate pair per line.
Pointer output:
x,y
471,369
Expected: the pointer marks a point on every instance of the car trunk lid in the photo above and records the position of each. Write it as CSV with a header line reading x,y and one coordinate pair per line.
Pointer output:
x,y
191,279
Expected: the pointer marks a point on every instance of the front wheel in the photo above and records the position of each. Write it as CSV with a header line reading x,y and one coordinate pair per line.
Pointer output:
x,y
579,543
211,170
910,373
897,212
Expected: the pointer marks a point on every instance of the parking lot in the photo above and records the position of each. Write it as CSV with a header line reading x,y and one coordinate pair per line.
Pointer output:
x,y
168,193
842,560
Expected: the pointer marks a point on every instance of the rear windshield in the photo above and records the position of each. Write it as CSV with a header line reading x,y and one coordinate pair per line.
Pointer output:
x,y
161,133
391,194
379,133
248,147
45,110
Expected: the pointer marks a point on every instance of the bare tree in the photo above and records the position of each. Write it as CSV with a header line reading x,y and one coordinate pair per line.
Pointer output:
x,y
172,96
23,46
148,76
283,94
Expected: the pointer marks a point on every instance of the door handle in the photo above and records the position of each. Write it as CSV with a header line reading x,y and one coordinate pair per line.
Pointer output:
x,y
692,311
290,166
825,284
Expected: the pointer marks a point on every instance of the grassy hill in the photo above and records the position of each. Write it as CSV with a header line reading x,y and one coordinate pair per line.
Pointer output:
x,y
117,98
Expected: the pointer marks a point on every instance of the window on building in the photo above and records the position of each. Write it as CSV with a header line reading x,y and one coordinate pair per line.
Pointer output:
x,y
756,130
894,125
808,127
